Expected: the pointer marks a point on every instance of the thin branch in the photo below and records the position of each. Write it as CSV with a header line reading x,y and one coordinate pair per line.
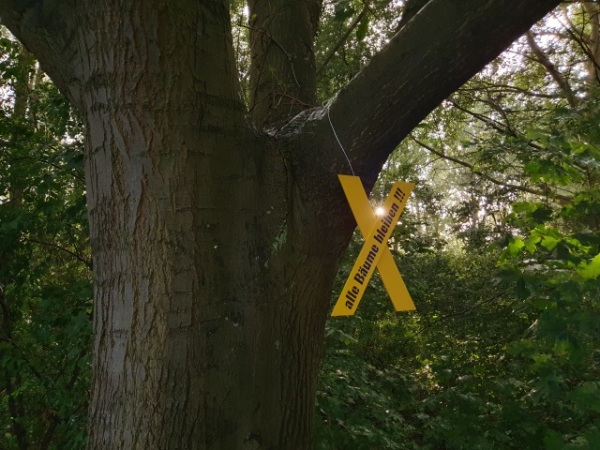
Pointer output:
x,y
494,124
474,170
344,37
506,88
504,113
498,126
77,256
508,129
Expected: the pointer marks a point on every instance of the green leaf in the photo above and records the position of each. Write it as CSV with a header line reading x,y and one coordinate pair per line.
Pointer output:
x,y
587,397
343,9
549,242
553,440
532,240
542,214
590,270
362,29
515,245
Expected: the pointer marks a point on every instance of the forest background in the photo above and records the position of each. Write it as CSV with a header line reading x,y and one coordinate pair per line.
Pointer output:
x,y
499,247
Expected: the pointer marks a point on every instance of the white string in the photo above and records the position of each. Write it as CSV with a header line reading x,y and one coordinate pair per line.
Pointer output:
x,y
339,143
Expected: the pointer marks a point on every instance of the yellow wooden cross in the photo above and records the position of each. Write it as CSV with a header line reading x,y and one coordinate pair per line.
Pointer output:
x,y
375,251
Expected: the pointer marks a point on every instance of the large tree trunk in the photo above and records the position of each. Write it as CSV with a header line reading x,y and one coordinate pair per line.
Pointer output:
x,y
209,306
216,244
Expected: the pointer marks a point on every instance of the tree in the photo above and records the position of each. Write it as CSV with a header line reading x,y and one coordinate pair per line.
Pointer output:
x,y
217,229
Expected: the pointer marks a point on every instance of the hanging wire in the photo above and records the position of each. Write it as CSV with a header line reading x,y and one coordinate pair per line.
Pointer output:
x,y
339,143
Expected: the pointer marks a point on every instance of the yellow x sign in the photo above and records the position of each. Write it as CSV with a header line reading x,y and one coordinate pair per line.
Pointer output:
x,y
375,251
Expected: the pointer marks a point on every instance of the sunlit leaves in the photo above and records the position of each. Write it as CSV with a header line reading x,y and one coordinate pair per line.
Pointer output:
x,y
590,270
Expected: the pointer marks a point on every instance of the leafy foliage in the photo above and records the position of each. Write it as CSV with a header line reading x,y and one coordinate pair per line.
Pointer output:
x,y
45,286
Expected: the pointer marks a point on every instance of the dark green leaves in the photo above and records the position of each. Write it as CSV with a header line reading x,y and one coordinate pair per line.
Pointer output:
x,y
45,281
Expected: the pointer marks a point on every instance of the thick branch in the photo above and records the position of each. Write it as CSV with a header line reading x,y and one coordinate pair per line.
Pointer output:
x,y
558,77
437,51
587,46
593,11
282,73
47,29
411,8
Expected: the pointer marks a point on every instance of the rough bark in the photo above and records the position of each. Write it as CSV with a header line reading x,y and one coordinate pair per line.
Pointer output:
x,y
559,78
215,245
283,74
593,63
411,8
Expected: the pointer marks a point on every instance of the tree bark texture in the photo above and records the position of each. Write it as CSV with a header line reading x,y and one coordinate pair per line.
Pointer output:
x,y
593,42
217,229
